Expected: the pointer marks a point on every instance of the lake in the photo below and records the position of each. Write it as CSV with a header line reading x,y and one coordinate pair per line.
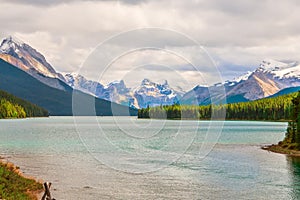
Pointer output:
x,y
129,158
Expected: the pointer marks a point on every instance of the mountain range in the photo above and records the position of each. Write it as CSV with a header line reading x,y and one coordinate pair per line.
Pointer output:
x,y
270,78
147,93
26,74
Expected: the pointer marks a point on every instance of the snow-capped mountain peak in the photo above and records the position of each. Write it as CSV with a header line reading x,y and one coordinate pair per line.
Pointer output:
x,y
118,86
237,80
273,65
115,83
73,78
26,58
146,82
270,77
10,44
243,77
280,69
277,69
152,94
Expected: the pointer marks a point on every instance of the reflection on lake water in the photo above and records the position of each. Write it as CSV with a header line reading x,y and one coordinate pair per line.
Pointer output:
x,y
236,168
294,174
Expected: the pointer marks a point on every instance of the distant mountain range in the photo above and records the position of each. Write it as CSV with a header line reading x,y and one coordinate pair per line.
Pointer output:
x,y
26,74
148,93
268,79
271,78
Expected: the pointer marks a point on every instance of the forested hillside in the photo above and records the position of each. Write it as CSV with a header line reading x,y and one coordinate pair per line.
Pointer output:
x,y
13,107
57,102
276,108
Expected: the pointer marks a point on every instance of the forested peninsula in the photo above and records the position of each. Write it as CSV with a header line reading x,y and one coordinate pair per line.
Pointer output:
x,y
291,143
280,108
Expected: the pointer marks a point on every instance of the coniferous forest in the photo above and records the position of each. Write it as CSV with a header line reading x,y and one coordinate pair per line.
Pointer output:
x,y
292,137
285,107
14,107
273,109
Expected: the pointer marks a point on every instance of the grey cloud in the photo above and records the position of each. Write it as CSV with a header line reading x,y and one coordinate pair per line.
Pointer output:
x,y
240,33
56,2
231,70
152,37
169,68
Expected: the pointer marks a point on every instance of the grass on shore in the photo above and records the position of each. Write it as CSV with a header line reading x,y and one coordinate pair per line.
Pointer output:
x,y
15,186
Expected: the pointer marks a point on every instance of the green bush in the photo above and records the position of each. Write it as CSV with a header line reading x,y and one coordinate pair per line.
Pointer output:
x,y
13,107
13,186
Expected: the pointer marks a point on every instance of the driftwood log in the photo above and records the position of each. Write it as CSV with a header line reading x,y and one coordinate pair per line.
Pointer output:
x,y
47,194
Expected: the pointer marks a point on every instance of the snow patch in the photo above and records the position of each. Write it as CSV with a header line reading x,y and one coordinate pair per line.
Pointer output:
x,y
281,70
243,77
10,43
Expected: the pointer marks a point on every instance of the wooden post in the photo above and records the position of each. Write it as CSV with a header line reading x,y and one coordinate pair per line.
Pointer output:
x,y
47,195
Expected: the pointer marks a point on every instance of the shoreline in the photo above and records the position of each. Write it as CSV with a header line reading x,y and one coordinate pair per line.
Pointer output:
x,y
275,148
14,175
192,119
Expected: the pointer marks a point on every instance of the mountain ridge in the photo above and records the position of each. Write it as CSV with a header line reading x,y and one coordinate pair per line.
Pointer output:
x,y
57,102
26,58
269,78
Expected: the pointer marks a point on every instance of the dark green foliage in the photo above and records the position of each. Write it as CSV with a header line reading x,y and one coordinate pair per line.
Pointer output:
x,y
277,108
286,91
13,107
292,137
57,102
236,99
13,186
9,110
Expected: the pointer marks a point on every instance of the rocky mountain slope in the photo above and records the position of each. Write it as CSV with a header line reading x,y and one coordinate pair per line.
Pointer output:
x,y
26,58
57,102
269,78
155,94
147,93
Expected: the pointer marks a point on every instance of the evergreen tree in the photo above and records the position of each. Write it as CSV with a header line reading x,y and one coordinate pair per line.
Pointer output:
x,y
293,129
13,107
277,108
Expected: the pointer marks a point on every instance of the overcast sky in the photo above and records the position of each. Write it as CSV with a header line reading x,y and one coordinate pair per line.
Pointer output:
x,y
238,35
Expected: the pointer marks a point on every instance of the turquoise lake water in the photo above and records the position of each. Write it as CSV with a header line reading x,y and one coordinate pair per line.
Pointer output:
x,y
127,158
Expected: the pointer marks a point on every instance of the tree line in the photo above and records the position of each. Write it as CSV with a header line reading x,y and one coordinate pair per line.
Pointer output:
x,y
276,108
292,137
14,107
